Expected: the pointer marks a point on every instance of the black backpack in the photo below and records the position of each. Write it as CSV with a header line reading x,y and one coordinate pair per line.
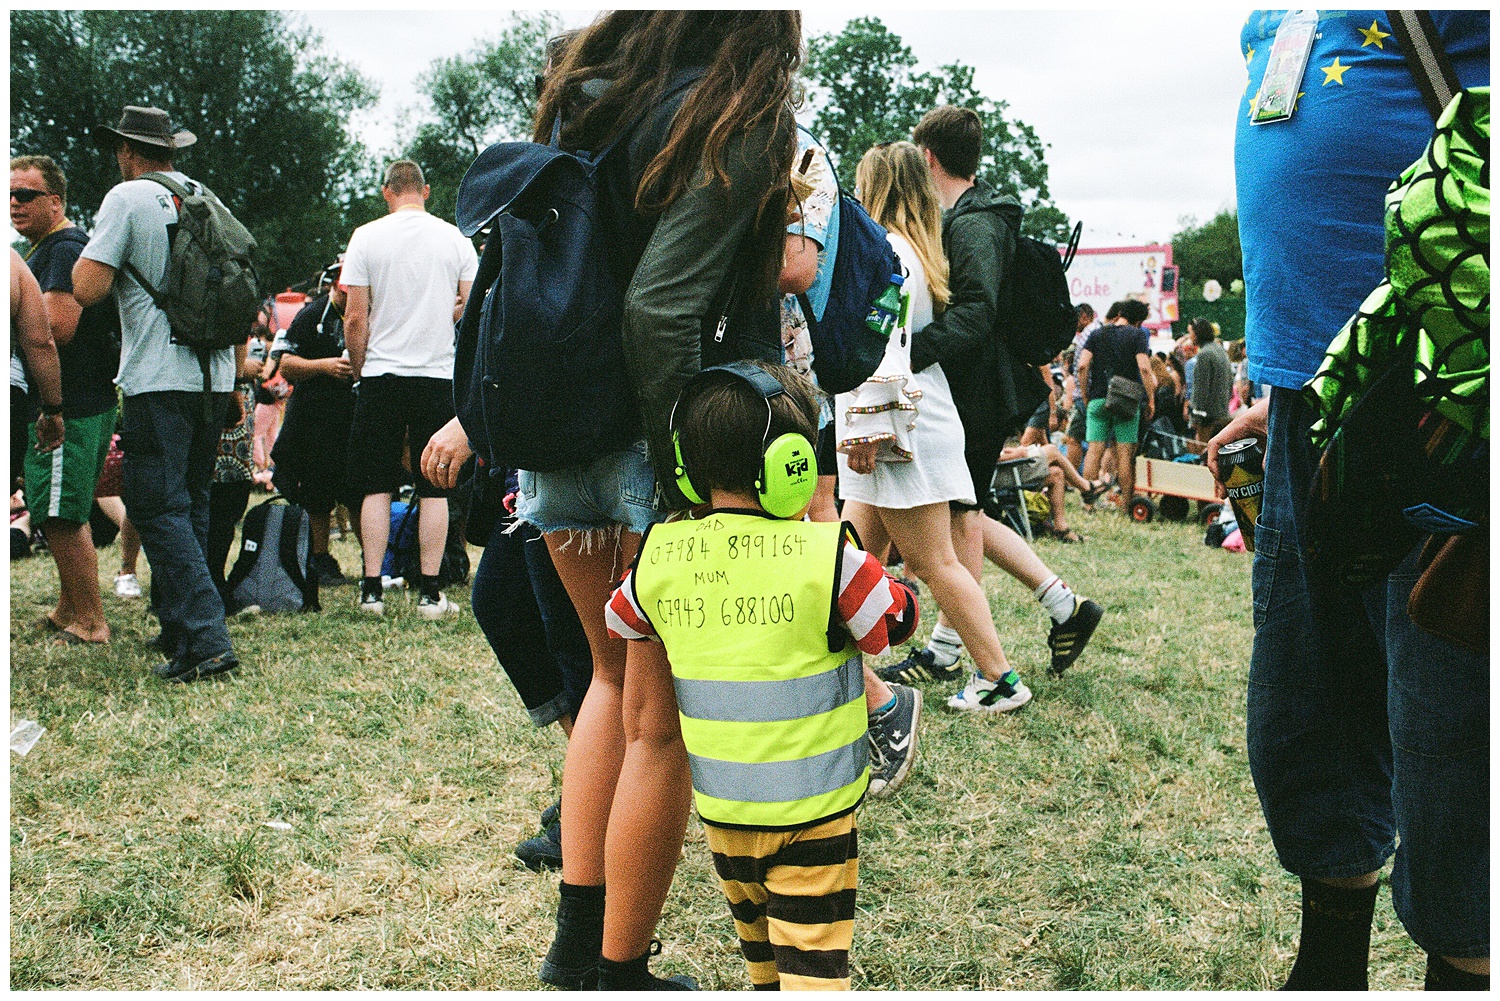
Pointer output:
x,y
274,568
845,352
1041,320
540,380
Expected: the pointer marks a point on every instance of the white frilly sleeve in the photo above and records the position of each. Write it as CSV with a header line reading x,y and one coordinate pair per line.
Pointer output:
x,y
882,409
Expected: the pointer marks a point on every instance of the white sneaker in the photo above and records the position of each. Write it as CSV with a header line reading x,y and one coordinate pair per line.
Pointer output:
x,y
396,582
436,608
985,696
126,586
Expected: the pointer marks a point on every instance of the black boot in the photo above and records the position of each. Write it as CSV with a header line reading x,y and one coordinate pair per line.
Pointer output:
x,y
573,961
633,975
1444,976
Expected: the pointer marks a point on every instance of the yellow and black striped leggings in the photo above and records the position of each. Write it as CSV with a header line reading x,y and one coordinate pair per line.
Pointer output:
x,y
792,897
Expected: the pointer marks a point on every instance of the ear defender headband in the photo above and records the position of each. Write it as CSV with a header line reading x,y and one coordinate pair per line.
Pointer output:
x,y
789,465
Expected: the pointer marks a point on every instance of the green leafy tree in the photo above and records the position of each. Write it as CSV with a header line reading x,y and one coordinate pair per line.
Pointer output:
x,y
484,96
1211,250
269,107
866,88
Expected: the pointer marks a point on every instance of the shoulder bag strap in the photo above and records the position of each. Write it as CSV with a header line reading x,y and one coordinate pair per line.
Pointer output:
x,y
1429,64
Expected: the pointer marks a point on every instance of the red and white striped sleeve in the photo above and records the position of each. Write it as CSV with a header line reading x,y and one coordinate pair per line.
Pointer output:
x,y
867,595
623,617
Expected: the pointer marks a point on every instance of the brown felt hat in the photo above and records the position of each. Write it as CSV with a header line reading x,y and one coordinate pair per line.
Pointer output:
x,y
144,125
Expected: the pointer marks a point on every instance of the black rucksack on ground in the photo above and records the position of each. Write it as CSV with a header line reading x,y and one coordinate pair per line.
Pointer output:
x,y
1041,320
540,381
845,352
274,568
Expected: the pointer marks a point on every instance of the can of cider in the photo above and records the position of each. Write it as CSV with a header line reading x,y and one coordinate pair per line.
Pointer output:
x,y
1242,471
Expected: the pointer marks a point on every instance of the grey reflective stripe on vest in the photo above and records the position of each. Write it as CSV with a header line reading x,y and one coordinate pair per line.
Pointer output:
x,y
771,701
780,781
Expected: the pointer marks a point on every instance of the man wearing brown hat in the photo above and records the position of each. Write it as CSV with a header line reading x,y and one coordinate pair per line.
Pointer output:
x,y
169,436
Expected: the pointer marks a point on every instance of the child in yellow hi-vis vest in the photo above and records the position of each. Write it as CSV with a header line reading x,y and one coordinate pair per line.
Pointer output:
x,y
764,617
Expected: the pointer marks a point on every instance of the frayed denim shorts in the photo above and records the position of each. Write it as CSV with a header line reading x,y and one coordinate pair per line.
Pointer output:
x,y
618,488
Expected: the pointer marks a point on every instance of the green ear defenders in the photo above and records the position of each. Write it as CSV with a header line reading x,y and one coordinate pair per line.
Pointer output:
x,y
789,465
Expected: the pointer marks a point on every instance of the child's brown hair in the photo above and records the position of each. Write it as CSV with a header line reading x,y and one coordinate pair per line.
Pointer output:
x,y
721,426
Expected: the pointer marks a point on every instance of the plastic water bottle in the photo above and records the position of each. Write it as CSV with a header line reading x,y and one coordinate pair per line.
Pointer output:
x,y
885,312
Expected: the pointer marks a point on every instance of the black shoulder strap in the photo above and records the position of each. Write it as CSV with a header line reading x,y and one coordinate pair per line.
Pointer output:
x,y
837,636
179,192
1429,64
292,518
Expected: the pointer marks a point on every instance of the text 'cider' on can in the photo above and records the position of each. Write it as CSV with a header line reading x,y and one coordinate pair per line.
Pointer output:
x,y
1243,473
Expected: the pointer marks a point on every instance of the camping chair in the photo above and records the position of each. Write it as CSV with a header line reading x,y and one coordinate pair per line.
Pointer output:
x,y
1007,503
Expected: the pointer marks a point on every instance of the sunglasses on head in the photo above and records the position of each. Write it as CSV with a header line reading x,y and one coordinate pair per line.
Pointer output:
x,y
27,195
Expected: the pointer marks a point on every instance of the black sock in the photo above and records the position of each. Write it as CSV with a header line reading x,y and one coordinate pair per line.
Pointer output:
x,y
374,588
572,962
428,586
1444,976
1333,953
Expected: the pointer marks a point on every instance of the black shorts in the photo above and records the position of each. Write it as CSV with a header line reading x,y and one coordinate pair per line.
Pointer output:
x,y
311,452
982,471
392,411
827,450
21,415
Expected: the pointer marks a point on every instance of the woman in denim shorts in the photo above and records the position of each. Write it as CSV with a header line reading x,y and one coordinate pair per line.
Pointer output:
x,y
697,192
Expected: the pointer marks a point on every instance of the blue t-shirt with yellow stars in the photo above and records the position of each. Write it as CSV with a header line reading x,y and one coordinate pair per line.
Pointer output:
x,y
1311,190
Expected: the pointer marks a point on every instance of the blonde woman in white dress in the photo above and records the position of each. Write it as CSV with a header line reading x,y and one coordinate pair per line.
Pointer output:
x,y
900,442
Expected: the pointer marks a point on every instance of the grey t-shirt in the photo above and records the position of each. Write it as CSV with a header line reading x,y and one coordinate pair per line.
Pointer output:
x,y
132,227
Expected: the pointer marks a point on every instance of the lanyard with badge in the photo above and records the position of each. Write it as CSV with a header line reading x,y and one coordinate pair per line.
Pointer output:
x,y
1277,97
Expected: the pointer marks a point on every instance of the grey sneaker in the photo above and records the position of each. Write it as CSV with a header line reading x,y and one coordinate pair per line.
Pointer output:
x,y
543,851
893,742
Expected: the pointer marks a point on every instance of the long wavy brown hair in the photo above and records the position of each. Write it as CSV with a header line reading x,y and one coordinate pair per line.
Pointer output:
x,y
751,57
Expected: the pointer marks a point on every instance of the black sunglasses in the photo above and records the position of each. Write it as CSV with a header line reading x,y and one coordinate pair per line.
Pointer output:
x,y
27,195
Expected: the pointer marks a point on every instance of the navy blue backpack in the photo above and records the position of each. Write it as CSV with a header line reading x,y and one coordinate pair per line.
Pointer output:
x,y
845,351
539,382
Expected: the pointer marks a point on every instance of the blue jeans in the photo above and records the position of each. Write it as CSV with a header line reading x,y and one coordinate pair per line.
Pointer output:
x,y
1361,726
169,445
615,489
530,623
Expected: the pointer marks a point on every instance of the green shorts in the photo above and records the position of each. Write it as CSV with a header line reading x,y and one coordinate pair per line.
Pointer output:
x,y
1103,425
60,483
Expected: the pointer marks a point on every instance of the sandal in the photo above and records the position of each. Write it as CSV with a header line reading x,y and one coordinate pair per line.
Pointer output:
x,y
1096,488
1066,535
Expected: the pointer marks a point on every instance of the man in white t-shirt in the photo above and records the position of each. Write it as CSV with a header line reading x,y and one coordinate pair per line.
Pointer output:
x,y
408,276
171,422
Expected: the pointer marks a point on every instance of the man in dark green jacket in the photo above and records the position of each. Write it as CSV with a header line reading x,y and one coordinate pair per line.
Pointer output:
x,y
993,394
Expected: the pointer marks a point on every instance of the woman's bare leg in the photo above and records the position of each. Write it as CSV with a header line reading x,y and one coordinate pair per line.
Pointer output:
x,y
647,823
926,535
596,747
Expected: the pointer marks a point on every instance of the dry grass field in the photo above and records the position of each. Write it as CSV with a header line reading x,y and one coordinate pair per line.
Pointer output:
x,y
1107,836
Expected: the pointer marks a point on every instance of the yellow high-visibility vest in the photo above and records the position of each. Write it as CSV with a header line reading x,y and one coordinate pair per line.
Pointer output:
x,y
773,720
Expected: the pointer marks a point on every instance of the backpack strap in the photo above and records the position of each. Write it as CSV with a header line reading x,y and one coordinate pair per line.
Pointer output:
x,y
180,193
291,537
1430,66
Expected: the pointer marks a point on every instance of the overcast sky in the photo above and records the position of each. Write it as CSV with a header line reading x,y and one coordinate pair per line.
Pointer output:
x,y
1137,107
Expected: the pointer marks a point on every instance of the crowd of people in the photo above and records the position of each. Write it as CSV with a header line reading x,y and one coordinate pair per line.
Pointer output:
x,y
757,521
